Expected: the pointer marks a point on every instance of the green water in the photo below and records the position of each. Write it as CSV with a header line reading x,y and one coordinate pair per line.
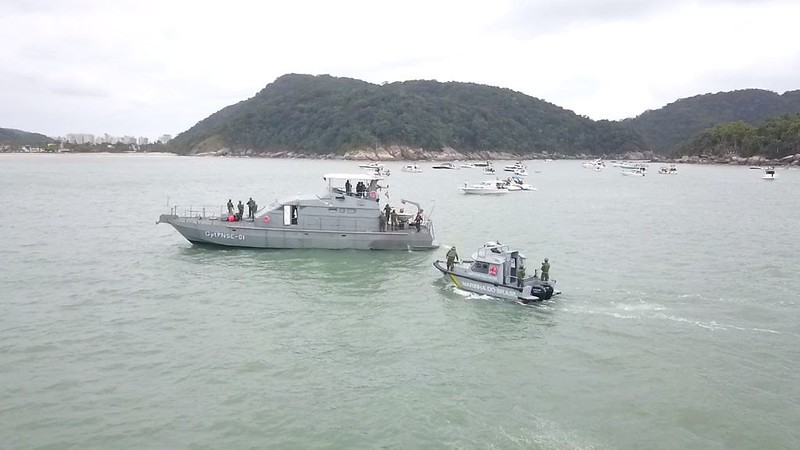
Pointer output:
x,y
677,326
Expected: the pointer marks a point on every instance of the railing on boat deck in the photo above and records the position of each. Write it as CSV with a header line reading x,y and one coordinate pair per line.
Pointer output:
x,y
200,211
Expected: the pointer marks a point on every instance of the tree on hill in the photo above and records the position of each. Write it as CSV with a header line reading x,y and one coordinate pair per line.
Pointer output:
x,y
10,136
677,123
774,139
324,114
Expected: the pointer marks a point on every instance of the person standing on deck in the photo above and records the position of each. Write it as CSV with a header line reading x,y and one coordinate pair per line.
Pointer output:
x,y
348,188
387,210
393,216
240,206
452,257
520,275
545,270
250,208
230,207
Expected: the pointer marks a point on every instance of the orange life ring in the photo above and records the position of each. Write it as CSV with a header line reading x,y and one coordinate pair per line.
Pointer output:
x,y
266,219
373,194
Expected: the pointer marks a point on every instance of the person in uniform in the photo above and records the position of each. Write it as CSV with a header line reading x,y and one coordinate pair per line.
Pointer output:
x,y
545,270
382,222
387,210
418,221
393,216
452,257
348,188
520,275
240,206
230,207
250,208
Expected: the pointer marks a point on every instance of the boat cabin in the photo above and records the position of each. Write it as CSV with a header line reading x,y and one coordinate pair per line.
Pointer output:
x,y
351,203
496,263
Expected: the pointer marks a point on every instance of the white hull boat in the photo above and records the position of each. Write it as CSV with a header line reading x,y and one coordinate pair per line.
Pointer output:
x,y
633,173
769,174
492,187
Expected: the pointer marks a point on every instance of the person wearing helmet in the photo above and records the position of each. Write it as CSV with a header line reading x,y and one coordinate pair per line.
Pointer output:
x,y
545,270
452,257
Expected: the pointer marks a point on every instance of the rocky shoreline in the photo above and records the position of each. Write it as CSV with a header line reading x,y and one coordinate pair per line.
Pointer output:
x,y
398,153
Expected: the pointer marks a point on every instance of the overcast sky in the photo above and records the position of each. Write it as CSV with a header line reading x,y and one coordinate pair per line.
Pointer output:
x,y
148,67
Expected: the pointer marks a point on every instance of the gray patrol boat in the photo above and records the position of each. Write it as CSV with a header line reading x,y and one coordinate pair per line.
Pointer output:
x,y
338,219
493,271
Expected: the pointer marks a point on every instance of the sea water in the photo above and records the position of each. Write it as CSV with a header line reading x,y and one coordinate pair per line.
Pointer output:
x,y
677,326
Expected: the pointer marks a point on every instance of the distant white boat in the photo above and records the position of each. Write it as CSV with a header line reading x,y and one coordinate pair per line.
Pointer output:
x,y
769,174
489,170
597,165
514,167
521,172
517,183
446,165
489,187
468,165
671,170
638,172
413,168
372,165
482,164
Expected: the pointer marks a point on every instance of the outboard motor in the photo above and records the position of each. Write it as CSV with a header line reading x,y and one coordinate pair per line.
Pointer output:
x,y
544,291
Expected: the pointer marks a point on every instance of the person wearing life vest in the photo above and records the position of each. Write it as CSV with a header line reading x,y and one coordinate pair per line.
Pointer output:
x,y
545,270
393,217
520,275
387,210
230,207
418,220
452,257
251,208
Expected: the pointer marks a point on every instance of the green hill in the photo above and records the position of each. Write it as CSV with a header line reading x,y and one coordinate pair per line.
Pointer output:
x,y
677,123
773,139
10,136
329,115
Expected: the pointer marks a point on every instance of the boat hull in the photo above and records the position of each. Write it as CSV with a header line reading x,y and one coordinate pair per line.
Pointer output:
x,y
475,191
245,234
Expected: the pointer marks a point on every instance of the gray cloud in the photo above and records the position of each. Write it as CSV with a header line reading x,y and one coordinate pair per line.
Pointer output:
x,y
535,18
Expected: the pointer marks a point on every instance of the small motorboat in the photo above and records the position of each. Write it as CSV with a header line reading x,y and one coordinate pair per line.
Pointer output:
x,y
467,165
493,271
489,187
638,172
769,174
671,170
372,165
482,164
446,165
489,170
521,172
412,168
516,183
514,167
597,165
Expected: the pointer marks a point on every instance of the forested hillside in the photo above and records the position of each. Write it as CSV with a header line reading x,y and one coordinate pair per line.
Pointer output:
x,y
329,115
773,139
676,124
10,136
